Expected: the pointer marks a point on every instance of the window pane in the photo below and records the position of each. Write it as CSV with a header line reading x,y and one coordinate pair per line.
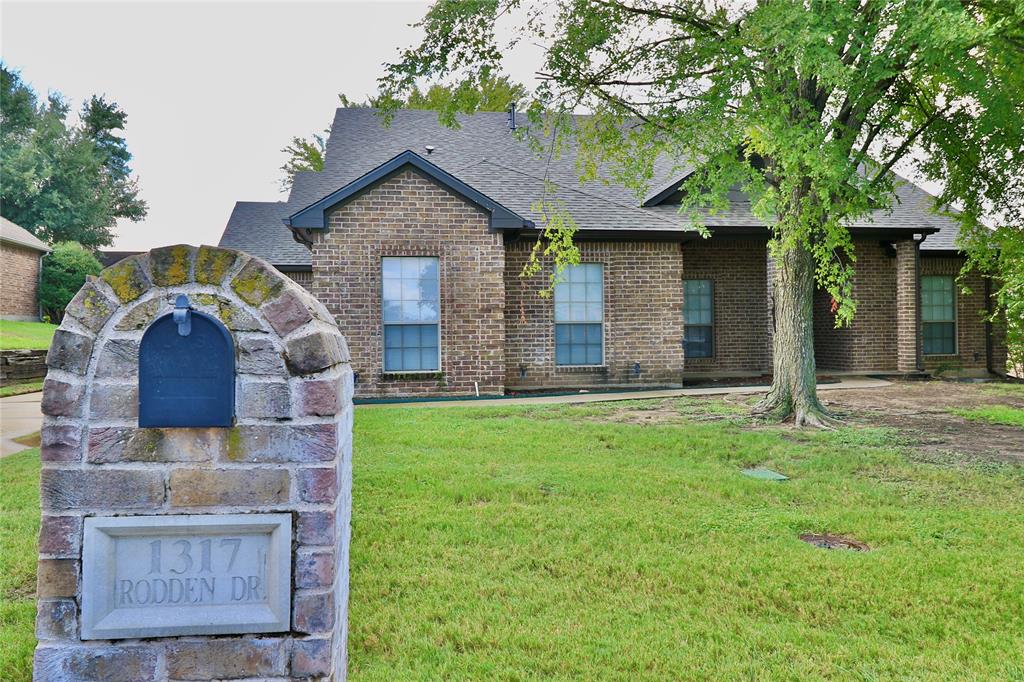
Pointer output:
x,y
939,338
579,294
697,341
938,298
410,348
578,344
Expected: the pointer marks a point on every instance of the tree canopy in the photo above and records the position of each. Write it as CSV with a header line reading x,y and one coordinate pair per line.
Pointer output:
x,y
490,94
62,181
806,106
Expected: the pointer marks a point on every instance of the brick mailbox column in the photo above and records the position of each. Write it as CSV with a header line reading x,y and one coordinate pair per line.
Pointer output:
x,y
243,574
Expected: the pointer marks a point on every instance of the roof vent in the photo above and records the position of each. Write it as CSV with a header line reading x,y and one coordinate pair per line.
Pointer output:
x,y
430,149
512,116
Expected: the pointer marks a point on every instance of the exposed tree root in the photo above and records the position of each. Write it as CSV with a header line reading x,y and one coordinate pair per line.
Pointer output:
x,y
778,406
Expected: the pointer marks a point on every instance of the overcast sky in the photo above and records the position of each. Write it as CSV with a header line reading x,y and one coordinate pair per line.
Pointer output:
x,y
212,90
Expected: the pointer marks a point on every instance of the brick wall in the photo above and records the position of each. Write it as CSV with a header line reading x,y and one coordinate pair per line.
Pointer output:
x,y
19,293
408,215
643,301
738,270
870,342
970,324
303,278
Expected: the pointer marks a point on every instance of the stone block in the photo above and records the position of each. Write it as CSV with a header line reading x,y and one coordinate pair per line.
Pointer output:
x,y
226,658
314,570
56,578
313,612
212,264
61,443
141,315
315,528
114,401
60,535
171,265
90,307
69,351
56,619
287,312
315,352
257,355
65,489
129,444
257,282
304,443
311,658
96,664
119,358
319,397
318,485
62,398
127,279
244,487
264,400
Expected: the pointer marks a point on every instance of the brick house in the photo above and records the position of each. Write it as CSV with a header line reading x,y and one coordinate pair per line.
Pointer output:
x,y
414,236
21,256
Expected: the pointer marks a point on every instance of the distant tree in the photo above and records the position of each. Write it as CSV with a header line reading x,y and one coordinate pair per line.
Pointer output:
x,y
64,182
492,94
64,272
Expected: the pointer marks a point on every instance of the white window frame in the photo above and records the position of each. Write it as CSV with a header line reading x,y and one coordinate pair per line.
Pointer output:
x,y
386,324
604,338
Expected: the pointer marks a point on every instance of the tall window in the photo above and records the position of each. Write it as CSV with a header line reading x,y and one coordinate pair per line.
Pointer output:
x,y
412,314
579,315
698,318
938,314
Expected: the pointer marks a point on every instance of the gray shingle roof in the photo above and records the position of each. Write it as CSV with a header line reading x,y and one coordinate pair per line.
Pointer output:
x,y
484,154
16,234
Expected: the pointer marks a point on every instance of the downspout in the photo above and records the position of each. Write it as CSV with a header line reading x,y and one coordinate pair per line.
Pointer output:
x,y
39,286
918,361
988,326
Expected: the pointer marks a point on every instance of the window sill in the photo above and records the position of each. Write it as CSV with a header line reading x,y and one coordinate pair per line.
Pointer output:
x,y
411,376
579,368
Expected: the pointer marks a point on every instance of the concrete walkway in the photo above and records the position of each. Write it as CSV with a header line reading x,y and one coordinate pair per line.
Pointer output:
x,y
844,383
19,416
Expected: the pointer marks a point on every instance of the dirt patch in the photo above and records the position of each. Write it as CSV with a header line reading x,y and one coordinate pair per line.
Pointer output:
x,y
920,410
828,541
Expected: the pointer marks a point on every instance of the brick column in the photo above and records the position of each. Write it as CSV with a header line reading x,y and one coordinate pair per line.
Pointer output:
x,y
906,305
288,456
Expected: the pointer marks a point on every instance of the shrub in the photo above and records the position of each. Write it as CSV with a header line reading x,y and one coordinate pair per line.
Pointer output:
x,y
64,273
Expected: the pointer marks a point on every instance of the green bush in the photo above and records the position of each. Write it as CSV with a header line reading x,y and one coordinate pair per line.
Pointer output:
x,y
64,273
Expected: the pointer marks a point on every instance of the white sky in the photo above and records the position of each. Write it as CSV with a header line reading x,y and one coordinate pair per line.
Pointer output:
x,y
212,90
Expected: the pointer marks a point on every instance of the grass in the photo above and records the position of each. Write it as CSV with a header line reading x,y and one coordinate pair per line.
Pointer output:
x,y
551,543
18,389
32,335
19,530
994,414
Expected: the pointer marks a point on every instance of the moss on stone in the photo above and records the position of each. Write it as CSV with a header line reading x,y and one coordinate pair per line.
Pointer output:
x,y
255,283
212,264
126,279
144,445
235,444
140,316
170,265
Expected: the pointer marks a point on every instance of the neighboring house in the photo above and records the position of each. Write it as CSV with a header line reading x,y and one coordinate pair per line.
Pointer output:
x,y
21,256
414,237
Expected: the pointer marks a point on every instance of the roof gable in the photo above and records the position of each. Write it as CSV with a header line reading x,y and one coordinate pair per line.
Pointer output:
x,y
314,216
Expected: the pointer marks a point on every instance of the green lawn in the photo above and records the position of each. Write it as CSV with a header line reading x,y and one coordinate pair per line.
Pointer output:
x,y
14,335
994,414
549,543
7,390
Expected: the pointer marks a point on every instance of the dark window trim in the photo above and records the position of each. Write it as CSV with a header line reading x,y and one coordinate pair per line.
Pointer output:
x,y
955,321
384,325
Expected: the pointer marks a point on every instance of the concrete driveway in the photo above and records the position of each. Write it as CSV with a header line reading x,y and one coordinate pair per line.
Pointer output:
x,y
19,416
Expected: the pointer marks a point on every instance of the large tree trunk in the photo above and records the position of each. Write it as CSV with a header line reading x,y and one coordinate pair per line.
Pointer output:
x,y
794,390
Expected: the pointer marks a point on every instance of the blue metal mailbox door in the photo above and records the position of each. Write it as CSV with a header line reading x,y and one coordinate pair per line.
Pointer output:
x,y
186,372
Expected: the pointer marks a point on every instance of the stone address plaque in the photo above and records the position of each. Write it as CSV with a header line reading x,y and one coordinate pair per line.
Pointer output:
x,y
156,576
